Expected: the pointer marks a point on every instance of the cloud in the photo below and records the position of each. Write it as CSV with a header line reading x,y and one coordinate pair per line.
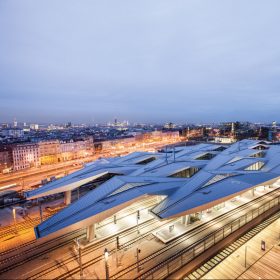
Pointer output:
x,y
143,60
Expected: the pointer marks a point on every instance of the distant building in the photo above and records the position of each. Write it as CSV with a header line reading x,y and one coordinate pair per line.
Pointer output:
x,y
34,126
49,152
70,150
224,140
274,125
25,156
6,158
12,132
5,125
15,122
169,125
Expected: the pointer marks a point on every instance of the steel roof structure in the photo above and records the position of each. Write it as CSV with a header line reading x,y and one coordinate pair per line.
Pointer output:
x,y
191,179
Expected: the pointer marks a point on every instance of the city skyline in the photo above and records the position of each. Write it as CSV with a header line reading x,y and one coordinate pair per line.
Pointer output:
x,y
147,62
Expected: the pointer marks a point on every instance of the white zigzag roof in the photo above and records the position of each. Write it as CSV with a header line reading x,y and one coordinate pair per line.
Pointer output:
x,y
196,177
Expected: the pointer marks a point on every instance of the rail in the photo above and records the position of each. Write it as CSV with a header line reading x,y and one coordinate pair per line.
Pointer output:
x,y
183,257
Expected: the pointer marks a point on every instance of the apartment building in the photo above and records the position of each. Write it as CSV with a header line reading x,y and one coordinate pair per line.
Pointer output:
x,y
25,156
49,152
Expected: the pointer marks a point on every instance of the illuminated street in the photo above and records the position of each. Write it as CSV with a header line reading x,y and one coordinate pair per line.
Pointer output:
x,y
33,177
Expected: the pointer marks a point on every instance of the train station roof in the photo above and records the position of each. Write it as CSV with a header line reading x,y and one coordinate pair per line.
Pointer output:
x,y
188,177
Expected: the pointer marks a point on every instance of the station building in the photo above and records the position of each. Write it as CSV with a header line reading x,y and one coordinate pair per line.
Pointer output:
x,y
183,182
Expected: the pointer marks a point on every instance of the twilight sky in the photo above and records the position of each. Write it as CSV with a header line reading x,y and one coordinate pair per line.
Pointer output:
x,y
189,60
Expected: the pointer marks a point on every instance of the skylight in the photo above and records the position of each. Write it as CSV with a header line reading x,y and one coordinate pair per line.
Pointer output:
x,y
206,156
255,166
258,155
220,149
128,186
147,160
260,147
234,159
217,178
185,173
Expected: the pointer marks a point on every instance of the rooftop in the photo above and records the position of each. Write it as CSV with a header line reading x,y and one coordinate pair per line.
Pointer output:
x,y
189,178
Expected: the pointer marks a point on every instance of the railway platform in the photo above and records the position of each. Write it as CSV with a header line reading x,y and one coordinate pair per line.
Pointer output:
x,y
178,228
254,264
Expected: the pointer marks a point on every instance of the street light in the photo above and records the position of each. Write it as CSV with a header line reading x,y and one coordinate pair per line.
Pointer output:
x,y
137,258
80,256
137,220
117,248
106,256
15,221
246,256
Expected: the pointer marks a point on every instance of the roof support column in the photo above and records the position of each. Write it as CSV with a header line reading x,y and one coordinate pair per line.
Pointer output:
x,y
91,232
184,219
253,191
67,197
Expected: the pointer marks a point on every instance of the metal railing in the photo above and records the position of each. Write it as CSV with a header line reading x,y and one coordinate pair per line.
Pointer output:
x,y
180,259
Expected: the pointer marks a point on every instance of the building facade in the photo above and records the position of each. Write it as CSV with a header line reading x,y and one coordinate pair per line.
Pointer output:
x,y
25,156
75,150
49,152
6,159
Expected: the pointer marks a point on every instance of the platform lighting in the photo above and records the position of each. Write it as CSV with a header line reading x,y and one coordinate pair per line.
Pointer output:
x,y
137,221
117,248
138,251
80,256
245,256
15,219
106,256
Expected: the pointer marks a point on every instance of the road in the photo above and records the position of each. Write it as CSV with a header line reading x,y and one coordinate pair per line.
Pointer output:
x,y
34,176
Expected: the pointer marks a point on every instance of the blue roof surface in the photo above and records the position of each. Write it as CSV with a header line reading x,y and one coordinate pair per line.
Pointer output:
x,y
220,177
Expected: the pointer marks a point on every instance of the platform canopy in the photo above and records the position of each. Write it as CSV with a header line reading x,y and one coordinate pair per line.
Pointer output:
x,y
189,178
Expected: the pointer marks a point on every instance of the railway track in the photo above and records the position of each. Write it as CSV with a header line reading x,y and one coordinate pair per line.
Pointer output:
x,y
227,251
234,216
41,249
36,251
21,226
175,243
110,241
